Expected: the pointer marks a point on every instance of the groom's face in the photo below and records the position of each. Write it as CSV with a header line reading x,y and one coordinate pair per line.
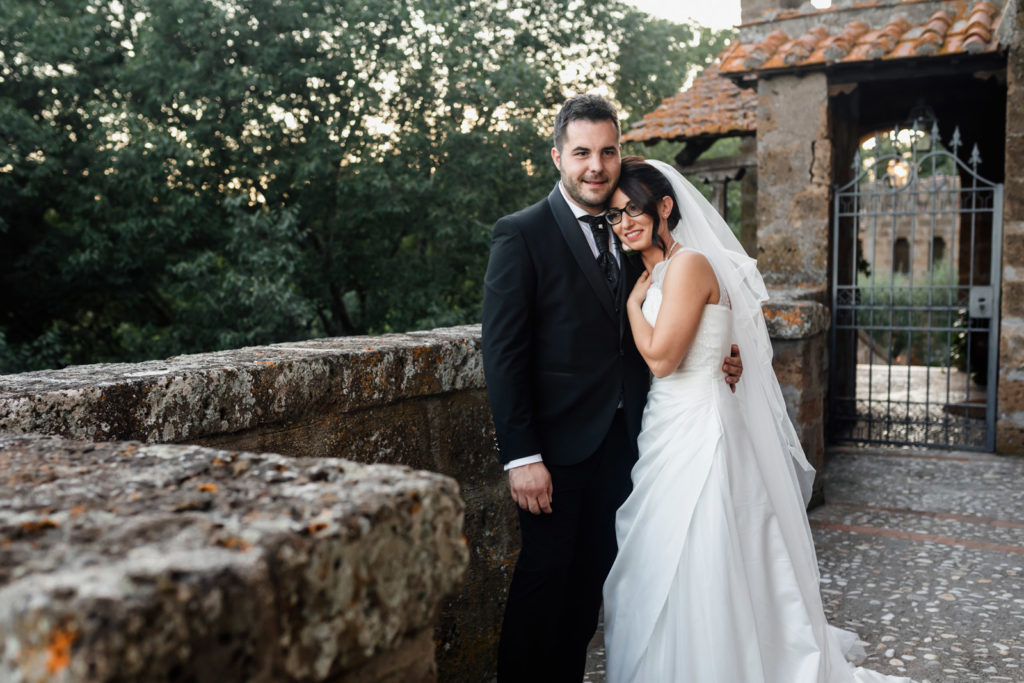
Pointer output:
x,y
589,162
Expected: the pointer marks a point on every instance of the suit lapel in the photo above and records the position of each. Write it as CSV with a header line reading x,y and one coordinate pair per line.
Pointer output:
x,y
573,235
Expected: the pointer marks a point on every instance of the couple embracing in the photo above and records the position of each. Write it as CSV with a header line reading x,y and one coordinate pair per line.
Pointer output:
x,y
679,500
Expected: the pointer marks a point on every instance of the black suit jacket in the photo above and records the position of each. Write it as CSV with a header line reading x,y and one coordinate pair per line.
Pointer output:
x,y
558,351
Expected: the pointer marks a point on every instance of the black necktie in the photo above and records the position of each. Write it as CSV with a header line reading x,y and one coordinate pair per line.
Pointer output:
x,y
605,259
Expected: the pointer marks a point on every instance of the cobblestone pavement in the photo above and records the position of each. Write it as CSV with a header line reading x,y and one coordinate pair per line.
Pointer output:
x,y
922,554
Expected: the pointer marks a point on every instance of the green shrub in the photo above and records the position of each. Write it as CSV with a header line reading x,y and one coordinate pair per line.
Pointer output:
x,y
912,320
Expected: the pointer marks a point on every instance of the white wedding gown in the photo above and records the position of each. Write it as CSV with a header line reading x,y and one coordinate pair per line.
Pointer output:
x,y
711,583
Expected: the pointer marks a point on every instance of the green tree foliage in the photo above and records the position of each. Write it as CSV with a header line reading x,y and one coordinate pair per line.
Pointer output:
x,y
188,175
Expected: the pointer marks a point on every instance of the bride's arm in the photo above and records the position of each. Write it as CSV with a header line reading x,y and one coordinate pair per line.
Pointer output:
x,y
689,285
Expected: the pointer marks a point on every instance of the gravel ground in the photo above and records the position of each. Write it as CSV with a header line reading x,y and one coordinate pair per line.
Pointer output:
x,y
922,554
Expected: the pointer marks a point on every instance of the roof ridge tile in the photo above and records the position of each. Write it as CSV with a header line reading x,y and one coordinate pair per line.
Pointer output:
x,y
888,37
765,49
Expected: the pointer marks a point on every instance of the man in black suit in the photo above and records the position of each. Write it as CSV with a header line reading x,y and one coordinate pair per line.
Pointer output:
x,y
567,389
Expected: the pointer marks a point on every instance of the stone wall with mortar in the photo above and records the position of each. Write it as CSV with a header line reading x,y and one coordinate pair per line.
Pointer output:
x,y
416,399
1010,424
754,10
123,561
795,152
799,331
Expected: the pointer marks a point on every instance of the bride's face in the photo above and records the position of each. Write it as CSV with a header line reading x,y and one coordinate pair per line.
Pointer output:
x,y
636,232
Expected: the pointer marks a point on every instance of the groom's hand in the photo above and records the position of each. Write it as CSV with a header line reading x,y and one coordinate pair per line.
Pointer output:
x,y
733,368
531,487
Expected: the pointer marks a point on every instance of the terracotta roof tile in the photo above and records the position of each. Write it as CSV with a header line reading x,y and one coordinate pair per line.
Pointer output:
x,y
712,106
838,46
934,35
760,52
979,27
887,38
964,26
801,48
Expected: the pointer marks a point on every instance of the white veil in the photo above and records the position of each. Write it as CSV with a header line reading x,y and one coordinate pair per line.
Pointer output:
x,y
787,475
703,229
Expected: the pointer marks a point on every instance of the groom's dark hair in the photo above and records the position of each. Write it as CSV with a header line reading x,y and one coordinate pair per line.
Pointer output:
x,y
586,107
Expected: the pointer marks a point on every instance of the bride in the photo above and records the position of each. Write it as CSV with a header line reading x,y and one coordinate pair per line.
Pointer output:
x,y
716,578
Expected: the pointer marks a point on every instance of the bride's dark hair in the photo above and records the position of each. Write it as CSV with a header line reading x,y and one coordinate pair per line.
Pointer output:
x,y
645,186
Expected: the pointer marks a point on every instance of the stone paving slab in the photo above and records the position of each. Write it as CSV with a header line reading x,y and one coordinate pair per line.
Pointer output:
x,y
921,553
972,529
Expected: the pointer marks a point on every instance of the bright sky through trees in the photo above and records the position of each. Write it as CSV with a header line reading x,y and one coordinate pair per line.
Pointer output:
x,y
718,14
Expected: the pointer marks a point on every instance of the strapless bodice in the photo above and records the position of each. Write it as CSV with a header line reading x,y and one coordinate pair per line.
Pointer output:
x,y
711,343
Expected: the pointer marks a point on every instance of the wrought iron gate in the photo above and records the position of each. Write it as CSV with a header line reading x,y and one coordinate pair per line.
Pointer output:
x,y
915,296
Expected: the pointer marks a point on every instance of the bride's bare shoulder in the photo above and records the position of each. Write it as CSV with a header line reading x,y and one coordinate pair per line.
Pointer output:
x,y
693,272
690,263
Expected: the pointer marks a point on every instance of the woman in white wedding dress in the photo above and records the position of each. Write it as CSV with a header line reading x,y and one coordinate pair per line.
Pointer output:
x,y
716,580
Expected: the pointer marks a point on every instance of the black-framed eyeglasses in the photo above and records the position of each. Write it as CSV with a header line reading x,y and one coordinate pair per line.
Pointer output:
x,y
614,216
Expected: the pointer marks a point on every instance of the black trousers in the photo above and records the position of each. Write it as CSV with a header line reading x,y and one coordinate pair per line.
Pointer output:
x,y
555,595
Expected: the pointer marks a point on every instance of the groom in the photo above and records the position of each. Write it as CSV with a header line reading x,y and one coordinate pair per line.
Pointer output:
x,y
567,388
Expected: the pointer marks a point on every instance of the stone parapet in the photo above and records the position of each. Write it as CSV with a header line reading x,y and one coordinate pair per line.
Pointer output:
x,y
192,397
793,319
133,562
414,399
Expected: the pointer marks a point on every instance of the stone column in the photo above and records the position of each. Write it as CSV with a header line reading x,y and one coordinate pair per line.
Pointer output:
x,y
799,332
794,160
719,194
748,199
1010,425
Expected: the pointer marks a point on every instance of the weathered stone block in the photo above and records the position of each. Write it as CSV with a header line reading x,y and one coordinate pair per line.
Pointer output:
x,y
794,151
1010,437
789,319
1013,257
777,163
132,562
799,342
780,255
416,399
809,206
1013,299
191,397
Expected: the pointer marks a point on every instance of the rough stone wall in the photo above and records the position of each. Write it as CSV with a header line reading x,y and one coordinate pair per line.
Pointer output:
x,y
123,561
416,399
799,331
1010,425
795,153
753,10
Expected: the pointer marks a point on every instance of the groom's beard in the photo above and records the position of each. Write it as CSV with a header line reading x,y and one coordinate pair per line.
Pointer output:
x,y
589,197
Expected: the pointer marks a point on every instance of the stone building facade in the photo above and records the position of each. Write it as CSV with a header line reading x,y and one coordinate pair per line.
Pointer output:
x,y
819,83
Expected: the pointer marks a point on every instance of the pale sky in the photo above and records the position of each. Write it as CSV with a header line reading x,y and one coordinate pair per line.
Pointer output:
x,y
717,14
